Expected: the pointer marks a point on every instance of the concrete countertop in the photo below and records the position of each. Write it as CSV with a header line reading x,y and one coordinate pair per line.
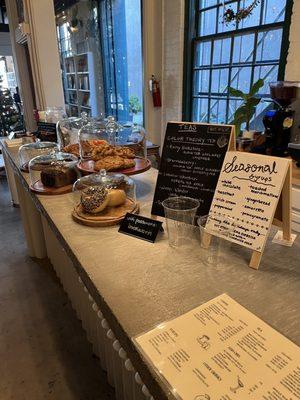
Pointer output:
x,y
138,284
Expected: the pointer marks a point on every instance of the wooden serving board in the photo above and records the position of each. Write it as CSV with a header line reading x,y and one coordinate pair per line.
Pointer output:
x,y
39,188
141,165
108,217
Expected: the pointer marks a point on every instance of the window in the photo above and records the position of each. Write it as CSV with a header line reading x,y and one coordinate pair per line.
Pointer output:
x,y
121,33
220,55
100,43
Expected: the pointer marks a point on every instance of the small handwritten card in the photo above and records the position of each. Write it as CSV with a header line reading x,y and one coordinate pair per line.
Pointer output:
x,y
140,227
246,197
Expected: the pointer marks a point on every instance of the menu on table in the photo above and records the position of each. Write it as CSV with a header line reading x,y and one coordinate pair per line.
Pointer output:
x,y
246,197
221,351
191,161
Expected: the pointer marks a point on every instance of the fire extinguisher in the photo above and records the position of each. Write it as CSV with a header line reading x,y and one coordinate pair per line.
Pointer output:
x,y
155,90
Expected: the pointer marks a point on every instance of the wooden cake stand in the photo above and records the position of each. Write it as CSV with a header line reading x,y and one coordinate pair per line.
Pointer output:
x,y
108,217
141,165
38,188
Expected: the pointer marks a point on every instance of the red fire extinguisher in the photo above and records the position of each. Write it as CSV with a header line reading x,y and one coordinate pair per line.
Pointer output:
x,y
155,90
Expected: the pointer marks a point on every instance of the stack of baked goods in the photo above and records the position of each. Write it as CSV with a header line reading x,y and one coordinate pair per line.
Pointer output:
x,y
104,155
101,206
112,158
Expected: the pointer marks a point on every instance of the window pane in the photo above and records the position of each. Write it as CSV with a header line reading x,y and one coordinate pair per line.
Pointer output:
x,y
200,108
207,3
240,78
269,73
274,11
202,54
218,111
222,51
201,82
254,18
268,45
219,80
207,22
243,48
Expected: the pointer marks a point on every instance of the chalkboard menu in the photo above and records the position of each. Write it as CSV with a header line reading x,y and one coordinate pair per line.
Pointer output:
x,y
192,158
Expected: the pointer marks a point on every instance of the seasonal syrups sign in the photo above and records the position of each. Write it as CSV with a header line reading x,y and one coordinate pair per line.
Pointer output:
x,y
247,196
192,159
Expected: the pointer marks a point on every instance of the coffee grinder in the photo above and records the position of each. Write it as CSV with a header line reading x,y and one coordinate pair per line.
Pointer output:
x,y
278,123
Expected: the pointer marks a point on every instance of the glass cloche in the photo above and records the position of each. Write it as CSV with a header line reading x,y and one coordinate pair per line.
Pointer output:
x,y
53,171
91,135
67,133
117,186
30,150
109,138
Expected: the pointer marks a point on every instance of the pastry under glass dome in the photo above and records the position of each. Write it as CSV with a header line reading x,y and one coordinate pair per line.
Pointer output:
x,y
31,150
109,181
53,171
68,130
112,133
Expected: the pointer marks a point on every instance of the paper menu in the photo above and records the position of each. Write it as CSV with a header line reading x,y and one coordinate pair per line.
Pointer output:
x,y
247,193
221,351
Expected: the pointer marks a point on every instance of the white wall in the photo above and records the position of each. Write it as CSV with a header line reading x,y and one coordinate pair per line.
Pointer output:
x,y
5,44
44,55
293,63
172,61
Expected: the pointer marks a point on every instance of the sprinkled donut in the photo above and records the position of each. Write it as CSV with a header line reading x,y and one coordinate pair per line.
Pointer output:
x,y
94,199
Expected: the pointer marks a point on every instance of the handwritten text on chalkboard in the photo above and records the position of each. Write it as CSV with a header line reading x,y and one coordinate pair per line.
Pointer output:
x,y
192,158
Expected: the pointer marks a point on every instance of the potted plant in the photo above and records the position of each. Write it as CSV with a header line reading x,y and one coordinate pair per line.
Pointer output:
x,y
246,111
134,107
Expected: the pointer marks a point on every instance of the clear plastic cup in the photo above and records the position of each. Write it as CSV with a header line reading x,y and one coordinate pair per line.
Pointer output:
x,y
180,215
215,242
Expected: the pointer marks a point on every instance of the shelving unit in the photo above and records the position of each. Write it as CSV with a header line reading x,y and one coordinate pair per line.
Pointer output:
x,y
81,85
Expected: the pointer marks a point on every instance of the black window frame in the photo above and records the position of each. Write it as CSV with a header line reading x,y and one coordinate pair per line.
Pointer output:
x,y
192,12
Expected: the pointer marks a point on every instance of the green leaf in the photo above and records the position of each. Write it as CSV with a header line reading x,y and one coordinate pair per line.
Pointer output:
x,y
253,101
256,86
236,93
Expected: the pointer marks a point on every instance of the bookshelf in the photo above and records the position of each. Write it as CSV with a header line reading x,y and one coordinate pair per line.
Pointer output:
x,y
81,85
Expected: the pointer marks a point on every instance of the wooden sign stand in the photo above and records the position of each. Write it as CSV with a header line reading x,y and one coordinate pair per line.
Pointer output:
x,y
282,217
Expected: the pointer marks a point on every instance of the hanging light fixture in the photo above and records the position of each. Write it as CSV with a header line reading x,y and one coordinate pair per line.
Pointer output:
x,y
230,16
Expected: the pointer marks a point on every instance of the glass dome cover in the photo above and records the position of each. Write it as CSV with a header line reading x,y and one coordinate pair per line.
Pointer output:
x,y
111,182
54,171
100,140
68,132
29,151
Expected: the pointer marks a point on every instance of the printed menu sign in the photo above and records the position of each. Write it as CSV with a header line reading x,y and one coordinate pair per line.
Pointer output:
x,y
221,351
192,158
247,195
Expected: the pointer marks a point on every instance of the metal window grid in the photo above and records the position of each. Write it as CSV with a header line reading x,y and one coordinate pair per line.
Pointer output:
x,y
193,39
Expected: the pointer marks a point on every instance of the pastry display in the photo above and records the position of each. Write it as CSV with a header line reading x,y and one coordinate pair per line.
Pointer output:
x,y
103,199
31,150
113,163
94,199
56,176
72,149
53,174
